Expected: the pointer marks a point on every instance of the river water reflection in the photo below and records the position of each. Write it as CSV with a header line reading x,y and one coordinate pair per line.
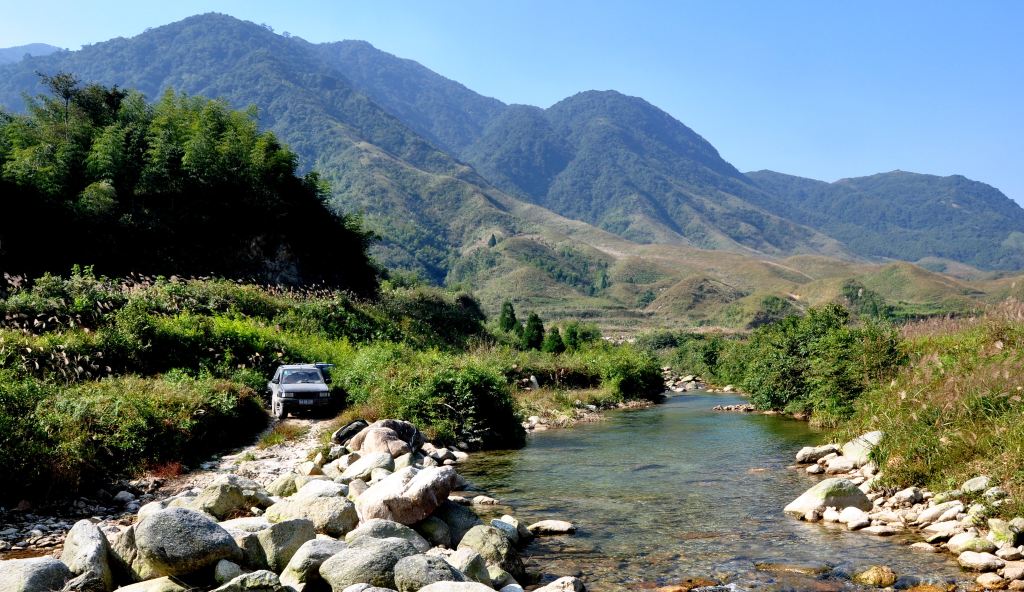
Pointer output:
x,y
677,491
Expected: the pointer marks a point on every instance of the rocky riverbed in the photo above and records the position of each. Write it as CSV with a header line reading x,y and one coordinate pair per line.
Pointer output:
x,y
956,522
382,509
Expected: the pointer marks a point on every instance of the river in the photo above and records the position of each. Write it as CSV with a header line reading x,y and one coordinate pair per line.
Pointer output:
x,y
678,491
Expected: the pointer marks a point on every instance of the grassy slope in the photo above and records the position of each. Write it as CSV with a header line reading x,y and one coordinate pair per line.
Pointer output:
x,y
957,410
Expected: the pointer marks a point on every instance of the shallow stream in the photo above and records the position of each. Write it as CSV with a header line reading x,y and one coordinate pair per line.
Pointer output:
x,y
678,491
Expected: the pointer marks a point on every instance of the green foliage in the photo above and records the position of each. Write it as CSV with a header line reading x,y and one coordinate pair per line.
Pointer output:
x,y
105,171
59,438
533,332
508,321
956,410
576,334
553,343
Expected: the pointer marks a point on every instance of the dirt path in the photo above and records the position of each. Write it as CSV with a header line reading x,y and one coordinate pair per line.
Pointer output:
x,y
30,532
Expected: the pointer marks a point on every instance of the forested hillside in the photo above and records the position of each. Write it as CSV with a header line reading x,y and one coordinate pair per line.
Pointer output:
x,y
903,215
99,176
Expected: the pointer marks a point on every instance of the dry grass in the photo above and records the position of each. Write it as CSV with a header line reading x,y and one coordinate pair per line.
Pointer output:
x,y
282,433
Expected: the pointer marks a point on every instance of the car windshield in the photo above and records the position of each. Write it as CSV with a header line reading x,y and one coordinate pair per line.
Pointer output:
x,y
301,377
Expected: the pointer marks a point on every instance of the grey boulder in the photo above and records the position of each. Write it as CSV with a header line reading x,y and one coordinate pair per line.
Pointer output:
x,y
304,567
177,541
416,571
38,574
280,541
381,529
495,548
333,516
257,581
458,518
87,553
366,561
835,492
407,496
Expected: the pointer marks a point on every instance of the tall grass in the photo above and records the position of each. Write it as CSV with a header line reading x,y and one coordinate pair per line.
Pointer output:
x,y
957,409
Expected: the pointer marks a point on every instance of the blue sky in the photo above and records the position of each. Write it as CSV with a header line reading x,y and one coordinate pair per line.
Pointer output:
x,y
819,89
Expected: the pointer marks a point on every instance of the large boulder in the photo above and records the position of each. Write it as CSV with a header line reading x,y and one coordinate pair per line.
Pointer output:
x,y
458,518
966,541
379,440
435,531
230,495
835,492
366,561
382,529
495,548
471,564
333,516
178,541
364,466
416,571
859,449
304,567
87,553
283,485
346,433
38,574
980,561
280,542
408,496
405,430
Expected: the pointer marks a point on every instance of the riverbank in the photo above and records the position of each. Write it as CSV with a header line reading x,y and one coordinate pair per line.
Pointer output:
x,y
377,508
957,521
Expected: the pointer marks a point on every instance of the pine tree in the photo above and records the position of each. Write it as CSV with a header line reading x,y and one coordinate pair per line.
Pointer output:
x,y
533,333
492,241
553,343
508,321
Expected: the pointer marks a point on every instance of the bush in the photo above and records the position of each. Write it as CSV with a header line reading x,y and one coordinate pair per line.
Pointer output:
x,y
60,438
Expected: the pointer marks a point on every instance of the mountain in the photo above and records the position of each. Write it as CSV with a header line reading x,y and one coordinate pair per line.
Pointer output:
x,y
422,202
626,166
901,215
10,55
601,206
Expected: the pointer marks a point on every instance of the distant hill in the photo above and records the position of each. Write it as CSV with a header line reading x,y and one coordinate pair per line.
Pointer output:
x,y
901,215
622,164
10,55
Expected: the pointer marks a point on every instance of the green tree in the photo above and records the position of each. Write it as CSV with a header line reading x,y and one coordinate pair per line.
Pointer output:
x,y
553,343
533,332
507,321
491,242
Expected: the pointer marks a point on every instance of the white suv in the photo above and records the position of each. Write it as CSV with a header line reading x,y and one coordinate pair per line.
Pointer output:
x,y
298,387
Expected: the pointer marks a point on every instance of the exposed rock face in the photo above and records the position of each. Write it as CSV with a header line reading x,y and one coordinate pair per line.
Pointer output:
x,y
495,548
39,574
86,552
835,492
416,571
382,529
408,496
367,561
304,566
333,516
177,541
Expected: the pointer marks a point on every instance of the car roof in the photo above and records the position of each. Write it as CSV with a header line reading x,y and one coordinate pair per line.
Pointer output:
x,y
298,367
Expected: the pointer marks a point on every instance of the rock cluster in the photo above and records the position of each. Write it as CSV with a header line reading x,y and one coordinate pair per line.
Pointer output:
x,y
957,521
678,383
373,514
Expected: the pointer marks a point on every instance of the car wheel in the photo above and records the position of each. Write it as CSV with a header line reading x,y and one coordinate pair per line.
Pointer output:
x,y
279,411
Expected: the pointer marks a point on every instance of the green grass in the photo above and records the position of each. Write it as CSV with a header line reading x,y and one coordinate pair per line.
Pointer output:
x,y
281,434
957,409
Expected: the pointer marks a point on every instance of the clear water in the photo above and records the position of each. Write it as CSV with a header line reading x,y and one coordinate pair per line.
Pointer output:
x,y
678,491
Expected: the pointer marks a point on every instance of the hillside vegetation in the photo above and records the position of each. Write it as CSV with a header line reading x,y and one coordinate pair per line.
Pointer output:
x,y
104,378
99,176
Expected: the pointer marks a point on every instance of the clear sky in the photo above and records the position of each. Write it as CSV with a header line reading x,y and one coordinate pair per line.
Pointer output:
x,y
819,89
